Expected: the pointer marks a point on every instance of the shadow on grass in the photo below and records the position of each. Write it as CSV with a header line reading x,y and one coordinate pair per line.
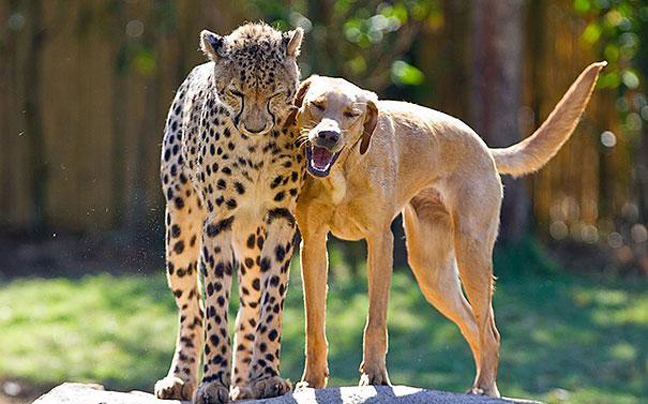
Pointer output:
x,y
564,339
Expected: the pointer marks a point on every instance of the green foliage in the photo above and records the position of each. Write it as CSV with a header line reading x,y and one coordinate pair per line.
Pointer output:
x,y
564,340
63,329
374,40
618,30
144,61
521,259
404,73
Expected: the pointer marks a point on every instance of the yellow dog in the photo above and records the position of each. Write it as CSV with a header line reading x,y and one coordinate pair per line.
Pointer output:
x,y
370,160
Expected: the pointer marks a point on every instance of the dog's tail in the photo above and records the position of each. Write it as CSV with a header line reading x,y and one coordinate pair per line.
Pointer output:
x,y
535,151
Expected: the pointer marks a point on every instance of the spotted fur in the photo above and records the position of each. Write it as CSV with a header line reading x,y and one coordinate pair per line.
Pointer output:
x,y
230,173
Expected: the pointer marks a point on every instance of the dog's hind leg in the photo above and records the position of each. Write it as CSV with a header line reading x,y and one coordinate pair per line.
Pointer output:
x,y
475,215
428,230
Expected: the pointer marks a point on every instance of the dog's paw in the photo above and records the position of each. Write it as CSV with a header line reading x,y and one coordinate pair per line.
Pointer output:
x,y
374,376
211,393
476,391
174,388
489,392
266,387
313,380
303,385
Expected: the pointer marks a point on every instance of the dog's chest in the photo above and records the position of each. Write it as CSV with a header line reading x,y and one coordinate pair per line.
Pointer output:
x,y
347,219
347,227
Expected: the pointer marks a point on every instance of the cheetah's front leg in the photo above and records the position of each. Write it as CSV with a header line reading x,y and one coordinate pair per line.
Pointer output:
x,y
184,221
248,314
217,262
274,266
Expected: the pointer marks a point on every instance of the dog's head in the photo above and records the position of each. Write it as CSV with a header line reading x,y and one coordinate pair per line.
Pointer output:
x,y
334,115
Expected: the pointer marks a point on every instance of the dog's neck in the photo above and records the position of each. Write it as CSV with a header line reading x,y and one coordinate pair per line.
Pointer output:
x,y
337,182
336,185
341,175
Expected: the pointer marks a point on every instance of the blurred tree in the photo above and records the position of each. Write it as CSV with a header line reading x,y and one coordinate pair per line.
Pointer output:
x,y
117,64
374,40
497,49
117,13
373,49
618,29
36,165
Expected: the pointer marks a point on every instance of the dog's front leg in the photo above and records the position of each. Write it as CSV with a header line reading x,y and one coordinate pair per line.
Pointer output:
x,y
379,269
314,261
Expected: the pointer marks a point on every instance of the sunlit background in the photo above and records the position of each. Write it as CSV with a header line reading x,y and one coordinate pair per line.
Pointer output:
x,y
84,90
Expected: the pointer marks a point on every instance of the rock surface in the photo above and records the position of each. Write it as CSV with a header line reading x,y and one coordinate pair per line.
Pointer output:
x,y
74,393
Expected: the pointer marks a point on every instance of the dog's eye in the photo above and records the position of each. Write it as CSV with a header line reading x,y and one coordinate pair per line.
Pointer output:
x,y
318,106
351,114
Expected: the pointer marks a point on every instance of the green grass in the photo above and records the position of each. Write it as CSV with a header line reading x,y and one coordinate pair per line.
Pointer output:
x,y
564,339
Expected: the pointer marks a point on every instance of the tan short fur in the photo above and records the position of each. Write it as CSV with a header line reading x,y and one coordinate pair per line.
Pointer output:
x,y
399,157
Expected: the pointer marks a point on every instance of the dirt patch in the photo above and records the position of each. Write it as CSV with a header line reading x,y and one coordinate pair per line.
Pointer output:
x,y
14,391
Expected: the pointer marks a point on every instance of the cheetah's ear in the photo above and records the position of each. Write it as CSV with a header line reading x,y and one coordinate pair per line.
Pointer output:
x,y
293,41
213,45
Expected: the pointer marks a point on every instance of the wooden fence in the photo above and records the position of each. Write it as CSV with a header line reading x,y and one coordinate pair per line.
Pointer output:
x,y
84,93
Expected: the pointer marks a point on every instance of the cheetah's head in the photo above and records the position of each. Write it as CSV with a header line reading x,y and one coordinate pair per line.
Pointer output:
x,y
255,73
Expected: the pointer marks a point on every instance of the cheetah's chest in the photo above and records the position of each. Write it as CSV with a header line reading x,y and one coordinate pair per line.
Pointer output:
x,y
245,174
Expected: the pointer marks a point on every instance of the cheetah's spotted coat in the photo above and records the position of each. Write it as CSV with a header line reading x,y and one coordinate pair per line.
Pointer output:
x,y
231,173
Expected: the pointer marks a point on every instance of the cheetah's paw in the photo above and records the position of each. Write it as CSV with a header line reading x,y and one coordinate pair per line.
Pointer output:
x,y
211,393
174,388
267,387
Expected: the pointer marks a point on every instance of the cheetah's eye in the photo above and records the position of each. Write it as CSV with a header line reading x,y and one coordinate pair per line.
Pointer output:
x,y
275,95
235,93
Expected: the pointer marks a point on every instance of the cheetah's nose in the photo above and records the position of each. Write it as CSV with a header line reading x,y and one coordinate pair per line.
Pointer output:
x,y
256,131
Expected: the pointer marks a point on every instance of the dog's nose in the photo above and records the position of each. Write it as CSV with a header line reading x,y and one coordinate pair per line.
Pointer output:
x,y
328,138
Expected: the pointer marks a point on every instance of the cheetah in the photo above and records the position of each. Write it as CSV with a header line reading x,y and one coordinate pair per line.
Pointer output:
x,y
231,172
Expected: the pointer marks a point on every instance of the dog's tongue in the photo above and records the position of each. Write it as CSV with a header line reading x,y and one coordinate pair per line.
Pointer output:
x,y
321,158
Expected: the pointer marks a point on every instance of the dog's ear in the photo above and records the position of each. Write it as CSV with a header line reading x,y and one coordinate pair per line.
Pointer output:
x,y
213,45
291,119
369,126
298,101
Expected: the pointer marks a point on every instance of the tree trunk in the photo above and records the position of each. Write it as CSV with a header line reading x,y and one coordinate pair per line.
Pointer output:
x,y
641,153
496,95
35,163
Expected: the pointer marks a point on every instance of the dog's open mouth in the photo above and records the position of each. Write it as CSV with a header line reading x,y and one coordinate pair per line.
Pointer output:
x,y
320,160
